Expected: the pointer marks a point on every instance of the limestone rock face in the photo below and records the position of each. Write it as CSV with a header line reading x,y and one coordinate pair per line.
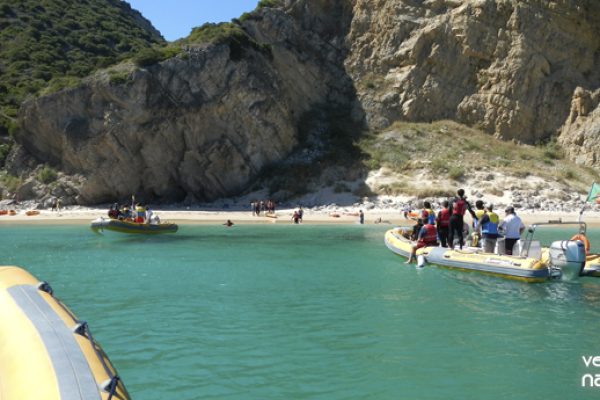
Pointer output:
x,y
580,136
196,127
202,125
507,66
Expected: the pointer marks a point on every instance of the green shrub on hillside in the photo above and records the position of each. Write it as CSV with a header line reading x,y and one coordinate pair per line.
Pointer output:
x,y
46,175
153,55
227,33
49,45
446,149
4,150
11,183
118,77
269,3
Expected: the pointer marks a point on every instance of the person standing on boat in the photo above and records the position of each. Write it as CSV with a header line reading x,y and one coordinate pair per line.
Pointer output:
x,y
479,211
140,213
427,237
513,227
427,213
443,223
149,214
457,211
488,226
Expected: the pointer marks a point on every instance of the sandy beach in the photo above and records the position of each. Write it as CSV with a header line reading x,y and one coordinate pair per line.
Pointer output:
x,y
342,215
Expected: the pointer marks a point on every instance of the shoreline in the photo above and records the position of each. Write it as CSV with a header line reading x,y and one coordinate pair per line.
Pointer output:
x,y
83,216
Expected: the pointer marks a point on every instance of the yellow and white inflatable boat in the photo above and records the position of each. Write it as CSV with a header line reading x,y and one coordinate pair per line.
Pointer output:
x,y
45,351
565,258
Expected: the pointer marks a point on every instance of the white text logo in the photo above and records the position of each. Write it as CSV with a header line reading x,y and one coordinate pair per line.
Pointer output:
x,y
591,380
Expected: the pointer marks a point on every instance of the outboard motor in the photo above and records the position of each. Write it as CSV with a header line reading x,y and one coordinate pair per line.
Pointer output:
x,y
569,257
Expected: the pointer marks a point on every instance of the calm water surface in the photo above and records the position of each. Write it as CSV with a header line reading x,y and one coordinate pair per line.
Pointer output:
x,y
311,312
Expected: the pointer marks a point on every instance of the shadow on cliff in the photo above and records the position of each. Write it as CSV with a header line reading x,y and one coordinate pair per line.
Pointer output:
x,y
328,152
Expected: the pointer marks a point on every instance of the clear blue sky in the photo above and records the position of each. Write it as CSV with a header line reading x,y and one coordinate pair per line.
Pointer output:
x,y
176,18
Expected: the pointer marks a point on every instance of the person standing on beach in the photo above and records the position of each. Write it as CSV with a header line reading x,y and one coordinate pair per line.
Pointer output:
x,y
296,217
457,211
406,210
361,217
513,227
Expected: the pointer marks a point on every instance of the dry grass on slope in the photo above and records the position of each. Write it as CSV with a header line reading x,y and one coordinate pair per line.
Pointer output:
x,y
431,159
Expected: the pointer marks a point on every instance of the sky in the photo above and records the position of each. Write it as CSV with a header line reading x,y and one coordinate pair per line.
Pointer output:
x,y
176,18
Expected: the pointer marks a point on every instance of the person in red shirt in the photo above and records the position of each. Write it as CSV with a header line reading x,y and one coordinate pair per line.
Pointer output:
x,y
457,211
443,223
427,237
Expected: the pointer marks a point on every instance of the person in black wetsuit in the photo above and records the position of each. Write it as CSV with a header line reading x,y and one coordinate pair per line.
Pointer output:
x,y
457,209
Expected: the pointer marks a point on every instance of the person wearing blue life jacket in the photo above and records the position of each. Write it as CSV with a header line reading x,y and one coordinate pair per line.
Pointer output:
x,y
488,227
427,214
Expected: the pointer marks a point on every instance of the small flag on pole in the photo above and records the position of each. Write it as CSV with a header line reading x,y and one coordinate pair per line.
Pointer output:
x,y
594,194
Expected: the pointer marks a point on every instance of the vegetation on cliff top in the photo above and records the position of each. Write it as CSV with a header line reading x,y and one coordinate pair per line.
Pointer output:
x,y
50,44
427,160
451,153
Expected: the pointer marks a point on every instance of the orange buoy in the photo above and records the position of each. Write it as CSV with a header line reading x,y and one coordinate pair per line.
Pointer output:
x,y
586,243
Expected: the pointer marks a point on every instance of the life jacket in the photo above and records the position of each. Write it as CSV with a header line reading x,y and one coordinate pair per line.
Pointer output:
x,y
478,215
428,215
491,226
459,207
430,236
444,217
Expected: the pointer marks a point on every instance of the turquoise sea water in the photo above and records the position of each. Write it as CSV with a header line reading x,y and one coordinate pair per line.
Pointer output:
x,y
311,312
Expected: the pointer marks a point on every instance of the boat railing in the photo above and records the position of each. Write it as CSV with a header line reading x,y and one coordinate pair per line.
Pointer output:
x,y
533,227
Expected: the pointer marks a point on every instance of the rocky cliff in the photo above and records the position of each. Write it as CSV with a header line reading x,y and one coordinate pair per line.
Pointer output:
x,y
197,126
203,124
507,66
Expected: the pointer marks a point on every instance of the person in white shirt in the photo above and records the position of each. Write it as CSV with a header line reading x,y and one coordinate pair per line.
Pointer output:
x,y
512,227
149,215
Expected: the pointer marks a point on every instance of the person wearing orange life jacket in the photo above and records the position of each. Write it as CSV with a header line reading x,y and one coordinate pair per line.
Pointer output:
x,y
427,237
443,223
427,214
458,206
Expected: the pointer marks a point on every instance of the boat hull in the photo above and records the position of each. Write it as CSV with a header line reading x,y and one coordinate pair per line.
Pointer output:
x,y
510,267
41,356
398,243
592,265
115,225
472,260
